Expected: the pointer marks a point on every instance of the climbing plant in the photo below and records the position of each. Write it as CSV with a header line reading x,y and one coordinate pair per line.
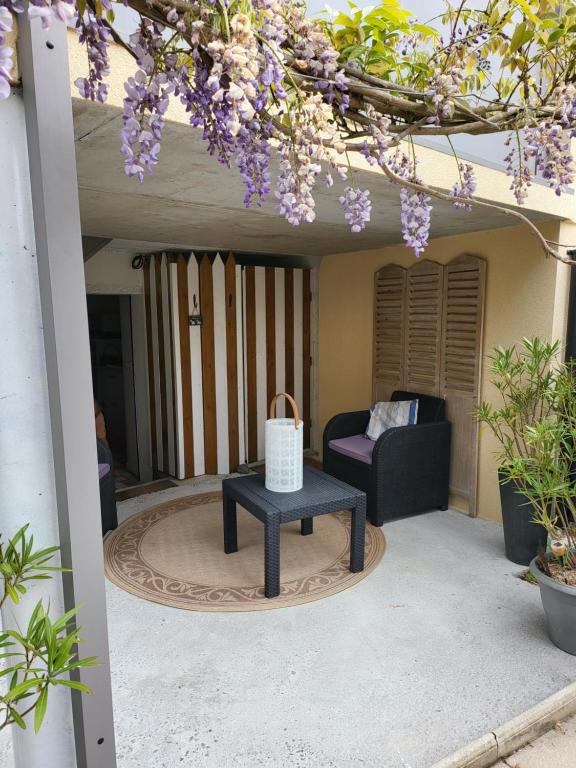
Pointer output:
x,y
261,79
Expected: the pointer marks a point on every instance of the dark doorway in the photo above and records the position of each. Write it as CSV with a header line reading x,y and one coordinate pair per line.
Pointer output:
x,y
109,320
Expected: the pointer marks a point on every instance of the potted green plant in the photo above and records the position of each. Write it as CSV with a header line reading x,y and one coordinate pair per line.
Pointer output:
x,y
541,463
41,655
524,377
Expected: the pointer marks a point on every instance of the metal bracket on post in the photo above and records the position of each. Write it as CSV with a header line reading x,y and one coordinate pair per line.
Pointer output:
x,y
43,62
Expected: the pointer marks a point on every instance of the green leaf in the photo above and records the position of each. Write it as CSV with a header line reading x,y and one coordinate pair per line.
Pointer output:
x,y
556,35
522,34
18,691
528,12
345,21
40,709
18,719
74,684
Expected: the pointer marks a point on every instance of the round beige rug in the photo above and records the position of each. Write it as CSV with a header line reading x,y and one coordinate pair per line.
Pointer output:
x,y
173,554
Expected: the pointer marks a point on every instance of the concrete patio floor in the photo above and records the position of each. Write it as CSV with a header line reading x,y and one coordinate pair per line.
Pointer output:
x,y
440,644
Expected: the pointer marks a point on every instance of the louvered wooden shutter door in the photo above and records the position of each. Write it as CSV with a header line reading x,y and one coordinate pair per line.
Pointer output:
x,y
423,334
389,331
464,285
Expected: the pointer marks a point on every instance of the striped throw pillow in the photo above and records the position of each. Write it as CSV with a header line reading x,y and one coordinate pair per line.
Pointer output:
x,y
384,416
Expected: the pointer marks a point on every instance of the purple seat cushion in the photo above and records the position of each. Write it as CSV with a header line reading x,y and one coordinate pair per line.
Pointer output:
x,y
357,447
103,469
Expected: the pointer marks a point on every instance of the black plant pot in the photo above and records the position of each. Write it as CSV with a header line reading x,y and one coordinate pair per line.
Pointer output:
x,y
522,537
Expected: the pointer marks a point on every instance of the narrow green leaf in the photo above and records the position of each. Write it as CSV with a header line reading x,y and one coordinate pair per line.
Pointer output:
x,y
40,709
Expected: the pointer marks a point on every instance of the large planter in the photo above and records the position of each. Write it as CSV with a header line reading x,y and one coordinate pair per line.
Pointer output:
x,y
559,602
522,537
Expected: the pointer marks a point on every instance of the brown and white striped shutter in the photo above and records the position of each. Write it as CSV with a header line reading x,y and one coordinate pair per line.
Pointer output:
x,y
160,333
277,345
389,331
464,286
423,335
210,384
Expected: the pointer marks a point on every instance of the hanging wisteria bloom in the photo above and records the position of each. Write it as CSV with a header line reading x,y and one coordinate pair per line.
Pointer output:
x,y
96,36
357,208
264,83
147,100
517,166
465,188
6,53
442,90
549,144
415,218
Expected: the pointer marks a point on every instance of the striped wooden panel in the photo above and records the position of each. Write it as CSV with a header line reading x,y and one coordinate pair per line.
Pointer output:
x,y
270,333
250,340
275,346
298,392
161,361
150,359
212,383
306,356
289,330
187,449
261,400
389,331
463,316
220,366
154,336
196,367
175,367
231,311
168,427
280,324
208,365
241,358
423,327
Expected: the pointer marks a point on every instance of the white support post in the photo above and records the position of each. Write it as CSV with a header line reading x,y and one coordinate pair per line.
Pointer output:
x,y
47,274
27,491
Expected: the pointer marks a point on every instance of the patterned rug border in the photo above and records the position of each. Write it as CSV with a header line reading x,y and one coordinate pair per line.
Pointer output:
x,y
342,578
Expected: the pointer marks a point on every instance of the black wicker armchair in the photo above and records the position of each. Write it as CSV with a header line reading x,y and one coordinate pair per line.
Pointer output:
x,y
405,471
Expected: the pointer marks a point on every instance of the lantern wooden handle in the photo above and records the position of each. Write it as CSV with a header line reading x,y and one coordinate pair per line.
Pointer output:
x,y
292,403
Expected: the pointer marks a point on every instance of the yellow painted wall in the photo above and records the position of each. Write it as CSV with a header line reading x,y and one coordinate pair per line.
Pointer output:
x,y
526,295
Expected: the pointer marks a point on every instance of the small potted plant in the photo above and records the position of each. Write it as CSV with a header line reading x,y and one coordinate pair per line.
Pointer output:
x,y
548,476
525,379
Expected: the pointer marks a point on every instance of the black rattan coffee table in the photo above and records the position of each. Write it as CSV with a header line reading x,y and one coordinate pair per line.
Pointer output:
x,y
320,495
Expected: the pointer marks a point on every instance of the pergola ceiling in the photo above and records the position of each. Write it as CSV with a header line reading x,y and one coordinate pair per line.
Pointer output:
x,y
193,201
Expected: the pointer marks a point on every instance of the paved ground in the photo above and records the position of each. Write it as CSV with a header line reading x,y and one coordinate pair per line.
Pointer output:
x,y
439,645
556,749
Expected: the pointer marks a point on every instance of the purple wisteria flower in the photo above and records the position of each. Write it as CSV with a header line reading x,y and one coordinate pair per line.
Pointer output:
x,y
6,52
147,100
549,144
46,10
62,10
96,36
442,90
296,179
566,107
465,188
382,138
357,208
415,219
517,167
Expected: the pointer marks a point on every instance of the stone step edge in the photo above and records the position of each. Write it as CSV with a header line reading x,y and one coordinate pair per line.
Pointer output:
x,y
516,733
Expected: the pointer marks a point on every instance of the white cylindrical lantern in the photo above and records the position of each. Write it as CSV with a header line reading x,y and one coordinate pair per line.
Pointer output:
x,y
284,449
